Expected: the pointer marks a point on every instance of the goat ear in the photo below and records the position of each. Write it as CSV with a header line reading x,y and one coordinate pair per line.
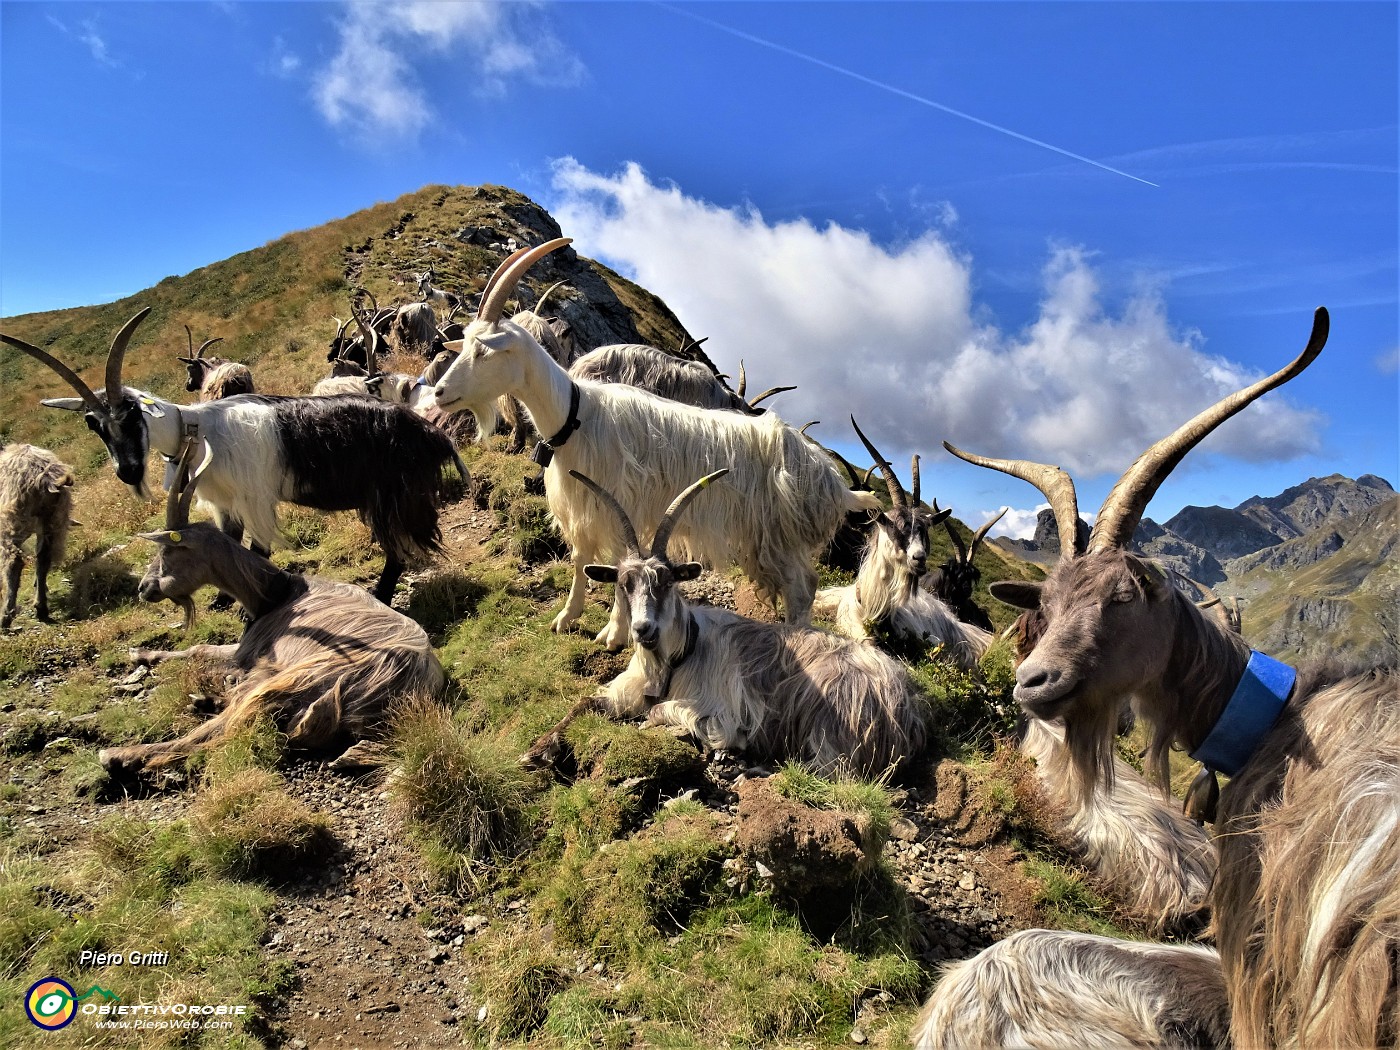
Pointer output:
x,y
455,346
68,404
166,537
686,570
601,573
1020,593
150,407
933,519
1150,575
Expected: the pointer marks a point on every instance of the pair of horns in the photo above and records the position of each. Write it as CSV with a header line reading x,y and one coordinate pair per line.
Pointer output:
x,y
668,520
369,335
898,497
966,554
501,284
196,355
744,382
113,378
177,501
1122,510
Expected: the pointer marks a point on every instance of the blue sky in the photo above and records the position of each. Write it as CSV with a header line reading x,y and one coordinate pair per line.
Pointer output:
x,y
937,216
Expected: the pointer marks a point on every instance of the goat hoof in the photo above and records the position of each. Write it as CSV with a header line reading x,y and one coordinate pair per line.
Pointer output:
x,y
609,640
118,760
562,623
141,657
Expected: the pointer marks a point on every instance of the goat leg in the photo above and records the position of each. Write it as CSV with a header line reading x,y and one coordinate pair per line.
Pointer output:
x,y
151,657
619,629
12,569
43,561
578,592
138,757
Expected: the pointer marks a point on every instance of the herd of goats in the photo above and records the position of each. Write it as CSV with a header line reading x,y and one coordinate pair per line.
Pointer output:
x,y
1300,878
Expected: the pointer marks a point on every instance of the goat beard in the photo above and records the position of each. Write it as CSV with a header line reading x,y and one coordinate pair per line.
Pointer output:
x,y
187,606
487,417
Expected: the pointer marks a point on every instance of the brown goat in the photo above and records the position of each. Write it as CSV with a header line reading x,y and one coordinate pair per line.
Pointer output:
x,y
1306,902
36,499
324,660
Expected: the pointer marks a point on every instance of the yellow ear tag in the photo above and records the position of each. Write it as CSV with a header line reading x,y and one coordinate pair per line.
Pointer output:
x,y
148,401
173,537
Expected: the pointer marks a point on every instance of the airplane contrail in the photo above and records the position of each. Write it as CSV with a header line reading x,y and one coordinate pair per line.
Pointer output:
x,y
893,90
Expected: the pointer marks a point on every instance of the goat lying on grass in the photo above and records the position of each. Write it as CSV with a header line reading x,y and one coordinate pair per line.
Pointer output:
x,y
1306,902
324,660
886,601
773,690
36,499
1056,989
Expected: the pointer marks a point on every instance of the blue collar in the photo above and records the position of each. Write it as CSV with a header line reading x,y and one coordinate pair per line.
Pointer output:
x,y
1254,707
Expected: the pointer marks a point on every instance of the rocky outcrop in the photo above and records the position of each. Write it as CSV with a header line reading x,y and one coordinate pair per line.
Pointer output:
x,y
1220,532
1316,503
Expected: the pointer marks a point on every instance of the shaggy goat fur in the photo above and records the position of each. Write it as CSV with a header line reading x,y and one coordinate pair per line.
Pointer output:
x,y
1052,990
783,505
414,329
886,599
36,499
663,374
324,660
771,690
226,379
1153,860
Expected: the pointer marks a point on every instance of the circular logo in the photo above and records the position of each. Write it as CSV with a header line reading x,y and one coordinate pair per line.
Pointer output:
x,y
51,1003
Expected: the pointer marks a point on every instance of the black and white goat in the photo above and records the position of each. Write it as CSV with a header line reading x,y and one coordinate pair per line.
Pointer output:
x,y
36,499
784,502
1053,989
772,690
331,453
323,660
668,376
1305,903
886,601
214,377
954,581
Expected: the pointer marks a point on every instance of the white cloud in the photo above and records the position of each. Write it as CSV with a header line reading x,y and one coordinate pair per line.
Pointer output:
x,y
1017,524
1388,361
88,35
892,334
371,86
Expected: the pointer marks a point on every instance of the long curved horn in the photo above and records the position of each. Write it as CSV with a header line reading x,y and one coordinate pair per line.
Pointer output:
x,y
981,534
1122,509
1054,484
769,393
629,533
539,306
508,274
177,511
369,335
74,380
673,513
198,354
914,479
963,558
116,355
743,379
886,470
190,337
803,429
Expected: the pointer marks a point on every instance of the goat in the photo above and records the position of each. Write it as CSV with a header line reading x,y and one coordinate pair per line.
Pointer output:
x,y
215,377
414,329
443,301
348,376
36,499
886,601
785,503
337,453
1057,989
954,581
323,659
1305,902
774,690
665,375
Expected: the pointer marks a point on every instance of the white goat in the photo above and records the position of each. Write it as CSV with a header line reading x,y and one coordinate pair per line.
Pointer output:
x,y
773,690
665,375
323,659
1305,903
443,302
784,504
886,601
1056,990
332,453
36,499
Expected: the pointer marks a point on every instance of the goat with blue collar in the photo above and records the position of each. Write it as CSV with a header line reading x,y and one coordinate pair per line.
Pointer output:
x,y
1306,902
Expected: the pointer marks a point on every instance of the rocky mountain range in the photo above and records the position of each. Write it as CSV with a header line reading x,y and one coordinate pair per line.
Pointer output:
x,y
1314,565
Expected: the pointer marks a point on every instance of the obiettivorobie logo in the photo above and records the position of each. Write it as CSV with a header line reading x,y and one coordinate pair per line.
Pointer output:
x,y
52,1003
